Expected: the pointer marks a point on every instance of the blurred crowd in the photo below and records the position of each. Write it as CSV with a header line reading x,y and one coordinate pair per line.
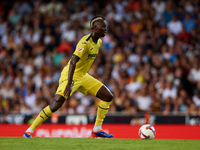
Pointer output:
x,y
150,57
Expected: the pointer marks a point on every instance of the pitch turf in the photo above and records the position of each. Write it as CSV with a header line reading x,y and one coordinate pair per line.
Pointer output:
x,y
19,143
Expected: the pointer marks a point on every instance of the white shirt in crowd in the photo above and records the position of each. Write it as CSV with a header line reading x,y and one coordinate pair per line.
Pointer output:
x,y
175,27
159,7
30,100
69,35
133,86
169,93
7,93
144,102
194,75
196,100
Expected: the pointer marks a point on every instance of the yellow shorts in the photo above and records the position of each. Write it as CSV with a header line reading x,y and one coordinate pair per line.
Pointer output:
x,y
85,84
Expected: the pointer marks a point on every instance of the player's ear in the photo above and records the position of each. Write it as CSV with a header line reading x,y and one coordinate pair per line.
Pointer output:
x,y
95,25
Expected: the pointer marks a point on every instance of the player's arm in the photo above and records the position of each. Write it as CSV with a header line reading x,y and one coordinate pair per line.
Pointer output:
x,y
81,49
72,67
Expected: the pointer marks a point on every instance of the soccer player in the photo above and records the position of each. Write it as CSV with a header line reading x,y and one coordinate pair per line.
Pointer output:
x,y
74,77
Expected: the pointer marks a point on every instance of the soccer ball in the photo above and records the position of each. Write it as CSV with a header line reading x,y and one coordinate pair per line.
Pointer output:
x,y
147,131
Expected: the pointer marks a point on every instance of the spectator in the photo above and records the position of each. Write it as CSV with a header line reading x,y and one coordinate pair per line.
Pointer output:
x,y
174,26
168,13
53,7
24,8
144,101
69,34
3,26
7,91
189,7
169,91
159,6
188,22
196,98
194,74
30,99
14,17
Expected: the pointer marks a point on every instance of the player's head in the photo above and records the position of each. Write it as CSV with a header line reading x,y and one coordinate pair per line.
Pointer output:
x,y
98,26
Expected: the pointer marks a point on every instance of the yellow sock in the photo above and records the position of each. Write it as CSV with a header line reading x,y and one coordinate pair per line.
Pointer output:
x,y
101,112
43,115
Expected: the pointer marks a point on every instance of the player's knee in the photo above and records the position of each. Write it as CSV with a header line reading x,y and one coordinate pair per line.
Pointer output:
x,y
109,97
57,103
54,107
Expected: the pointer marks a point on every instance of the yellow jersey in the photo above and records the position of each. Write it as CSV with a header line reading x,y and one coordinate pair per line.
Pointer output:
x,y
87,51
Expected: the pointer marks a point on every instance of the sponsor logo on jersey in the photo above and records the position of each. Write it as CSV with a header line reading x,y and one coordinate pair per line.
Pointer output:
x,y
80,49
84,43
92,55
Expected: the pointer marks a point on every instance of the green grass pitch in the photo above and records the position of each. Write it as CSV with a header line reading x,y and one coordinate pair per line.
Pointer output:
x,y
19,143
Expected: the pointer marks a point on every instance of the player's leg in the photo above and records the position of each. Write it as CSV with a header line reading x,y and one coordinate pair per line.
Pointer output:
x,y
58,101
47,111
106,97
94,87
45,114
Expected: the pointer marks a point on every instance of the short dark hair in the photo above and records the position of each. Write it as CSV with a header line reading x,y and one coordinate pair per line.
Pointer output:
x,y
94,19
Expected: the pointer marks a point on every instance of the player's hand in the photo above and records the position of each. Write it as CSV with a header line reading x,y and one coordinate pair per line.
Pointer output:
x,y
68,90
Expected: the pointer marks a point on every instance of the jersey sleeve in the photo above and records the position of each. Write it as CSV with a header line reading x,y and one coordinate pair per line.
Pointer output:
x,y
81,48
